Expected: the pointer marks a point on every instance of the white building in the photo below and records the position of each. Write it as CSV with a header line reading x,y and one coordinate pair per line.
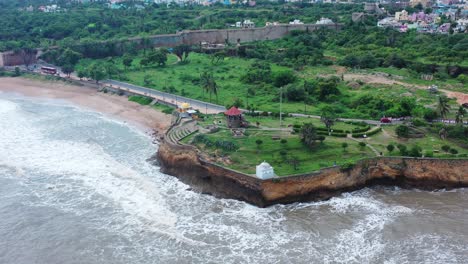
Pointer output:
x,y
246,24
264,171
324,21
296,22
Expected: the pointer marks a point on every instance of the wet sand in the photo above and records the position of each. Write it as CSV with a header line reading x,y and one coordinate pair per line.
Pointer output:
x,y
144,117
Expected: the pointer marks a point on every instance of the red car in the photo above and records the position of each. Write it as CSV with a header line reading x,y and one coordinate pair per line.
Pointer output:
x,y
385,120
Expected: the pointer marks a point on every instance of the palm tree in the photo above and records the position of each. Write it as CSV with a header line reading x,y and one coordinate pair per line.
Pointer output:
x,y
209,84
205,82
461,112
443,107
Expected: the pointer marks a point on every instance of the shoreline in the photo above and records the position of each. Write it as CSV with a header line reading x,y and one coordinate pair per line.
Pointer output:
x,y
185,163
144,118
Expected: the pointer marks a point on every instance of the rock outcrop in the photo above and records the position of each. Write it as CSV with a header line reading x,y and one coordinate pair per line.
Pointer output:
x,y
186,163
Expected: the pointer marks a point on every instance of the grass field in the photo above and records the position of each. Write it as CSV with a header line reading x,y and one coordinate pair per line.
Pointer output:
x,y
183,79
324,154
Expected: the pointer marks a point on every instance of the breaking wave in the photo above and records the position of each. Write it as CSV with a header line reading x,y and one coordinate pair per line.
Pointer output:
x,y
91,170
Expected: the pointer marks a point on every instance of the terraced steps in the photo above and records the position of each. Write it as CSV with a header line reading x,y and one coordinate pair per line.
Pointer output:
x,y
179,132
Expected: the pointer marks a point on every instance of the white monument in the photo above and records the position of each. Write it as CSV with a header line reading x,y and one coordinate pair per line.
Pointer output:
x,y
265,171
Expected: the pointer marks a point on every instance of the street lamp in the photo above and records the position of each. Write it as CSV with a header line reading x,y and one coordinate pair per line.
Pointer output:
x,y
281,107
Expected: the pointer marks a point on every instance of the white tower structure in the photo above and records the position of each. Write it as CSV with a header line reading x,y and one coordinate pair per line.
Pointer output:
x,y
265,171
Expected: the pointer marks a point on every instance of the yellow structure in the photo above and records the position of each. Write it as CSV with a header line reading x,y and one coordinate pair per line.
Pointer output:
x,y
401,16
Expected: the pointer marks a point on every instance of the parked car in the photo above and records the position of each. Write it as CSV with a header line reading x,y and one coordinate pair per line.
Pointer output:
x,y
385,120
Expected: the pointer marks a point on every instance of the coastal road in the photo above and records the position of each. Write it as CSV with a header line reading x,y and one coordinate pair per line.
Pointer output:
x,y
203,107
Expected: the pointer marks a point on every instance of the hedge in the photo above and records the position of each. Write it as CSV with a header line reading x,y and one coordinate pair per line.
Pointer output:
x,y
368,134
359,130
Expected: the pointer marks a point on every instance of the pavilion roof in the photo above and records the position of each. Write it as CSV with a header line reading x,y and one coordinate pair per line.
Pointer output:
x,y
233,111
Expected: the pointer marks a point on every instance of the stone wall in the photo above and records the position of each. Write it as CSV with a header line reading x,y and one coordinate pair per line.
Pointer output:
x,y
232,36
10,58
186,163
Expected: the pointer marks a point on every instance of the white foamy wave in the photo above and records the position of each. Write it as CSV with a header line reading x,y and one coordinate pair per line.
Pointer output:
x,y
363,242
7,106
26,149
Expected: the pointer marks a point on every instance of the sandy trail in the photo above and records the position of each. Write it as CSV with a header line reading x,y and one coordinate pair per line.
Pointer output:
x,y
114,106
461,98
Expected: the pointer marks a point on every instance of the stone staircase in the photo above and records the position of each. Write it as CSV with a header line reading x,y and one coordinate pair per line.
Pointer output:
x,y
181,131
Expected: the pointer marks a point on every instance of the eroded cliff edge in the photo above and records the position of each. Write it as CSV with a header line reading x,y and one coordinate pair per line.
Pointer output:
x,y
186,163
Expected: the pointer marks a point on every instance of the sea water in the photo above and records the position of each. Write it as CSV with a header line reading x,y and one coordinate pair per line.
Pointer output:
x,y
75,187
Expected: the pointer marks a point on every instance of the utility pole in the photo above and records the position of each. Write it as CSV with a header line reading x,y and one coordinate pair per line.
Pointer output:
x,y
281,110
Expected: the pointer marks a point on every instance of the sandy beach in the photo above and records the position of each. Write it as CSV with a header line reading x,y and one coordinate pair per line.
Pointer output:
x,y
114,106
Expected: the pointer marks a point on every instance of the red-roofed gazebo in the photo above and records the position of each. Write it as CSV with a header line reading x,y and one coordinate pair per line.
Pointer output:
x,y
233,117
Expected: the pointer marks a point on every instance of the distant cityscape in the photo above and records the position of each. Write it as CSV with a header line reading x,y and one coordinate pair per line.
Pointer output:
x,y
424,16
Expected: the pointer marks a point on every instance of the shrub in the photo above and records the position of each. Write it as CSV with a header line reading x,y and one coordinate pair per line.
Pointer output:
x,y
428,154
338,134
347,166
453,151
446,148
359,130
402,149
415,151
390,148
419,122
375,131
402,131
143,100
344,145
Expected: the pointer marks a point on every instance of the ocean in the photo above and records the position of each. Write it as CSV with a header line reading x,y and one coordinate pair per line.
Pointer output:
x,y
75,187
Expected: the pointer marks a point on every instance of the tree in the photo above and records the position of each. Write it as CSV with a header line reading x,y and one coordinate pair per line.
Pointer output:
x,y
402,131
82,73
127,61
326,88
443,107
402,149
328,116
461,112
145,44
283,142
97,72
390,148
69,57
158,57
145,62
218,56
308,135
27,54
294,161
344,145
209,84
259,142
182,51
362,145
295,93
283,78
68,69
415,151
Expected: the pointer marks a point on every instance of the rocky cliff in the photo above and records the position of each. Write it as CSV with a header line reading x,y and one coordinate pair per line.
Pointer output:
x,y
187,164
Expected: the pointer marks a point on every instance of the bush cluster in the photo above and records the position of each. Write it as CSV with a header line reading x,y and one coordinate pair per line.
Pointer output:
x,y
222,144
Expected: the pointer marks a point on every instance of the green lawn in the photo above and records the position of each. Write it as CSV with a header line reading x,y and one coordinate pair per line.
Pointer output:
x,y
430,143
245,159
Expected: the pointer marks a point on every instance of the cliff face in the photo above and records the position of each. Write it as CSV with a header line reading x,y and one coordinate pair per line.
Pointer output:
x,y
185,163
